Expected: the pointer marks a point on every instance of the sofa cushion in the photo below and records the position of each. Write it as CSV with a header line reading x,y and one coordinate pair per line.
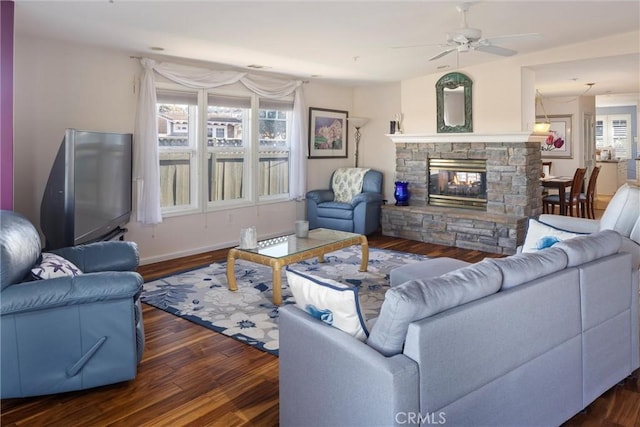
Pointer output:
x,y
583,249
418,299
540,236
524,267
334,303
428,268
53,266
623,211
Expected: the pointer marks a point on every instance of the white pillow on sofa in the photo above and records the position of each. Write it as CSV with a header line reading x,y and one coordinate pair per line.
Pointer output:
x,y
540,236
329,301
52,266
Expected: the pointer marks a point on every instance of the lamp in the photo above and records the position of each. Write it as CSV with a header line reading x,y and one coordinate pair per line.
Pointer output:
x,y
541,126
357,122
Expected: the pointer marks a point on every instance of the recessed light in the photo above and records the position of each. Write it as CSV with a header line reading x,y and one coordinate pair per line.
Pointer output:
x,y
157,48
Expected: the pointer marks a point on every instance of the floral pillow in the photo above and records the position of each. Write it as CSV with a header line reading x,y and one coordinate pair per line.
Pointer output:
x,y
334,303
53,266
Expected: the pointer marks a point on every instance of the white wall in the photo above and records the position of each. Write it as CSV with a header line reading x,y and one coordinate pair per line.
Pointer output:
x,y
380,104
61,85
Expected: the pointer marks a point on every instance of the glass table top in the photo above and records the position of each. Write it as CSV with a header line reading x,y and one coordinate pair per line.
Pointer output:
x,y
280,247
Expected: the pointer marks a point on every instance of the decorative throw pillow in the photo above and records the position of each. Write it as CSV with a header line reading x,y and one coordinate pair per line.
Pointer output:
x,y
53,266
540,236
329,301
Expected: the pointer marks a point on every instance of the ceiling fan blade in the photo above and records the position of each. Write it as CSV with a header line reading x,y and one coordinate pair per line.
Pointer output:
x,y
443,53
511,37
496,50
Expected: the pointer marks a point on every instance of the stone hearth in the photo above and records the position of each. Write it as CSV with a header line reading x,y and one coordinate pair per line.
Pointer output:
x,y
513,191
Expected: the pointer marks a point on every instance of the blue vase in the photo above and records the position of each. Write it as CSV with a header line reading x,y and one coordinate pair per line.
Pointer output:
x,y
402,193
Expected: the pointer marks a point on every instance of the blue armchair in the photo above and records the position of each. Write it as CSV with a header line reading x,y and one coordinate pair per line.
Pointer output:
x,y
359,215
71,332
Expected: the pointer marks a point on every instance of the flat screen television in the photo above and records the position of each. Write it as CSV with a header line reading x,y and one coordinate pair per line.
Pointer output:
x,y
88,194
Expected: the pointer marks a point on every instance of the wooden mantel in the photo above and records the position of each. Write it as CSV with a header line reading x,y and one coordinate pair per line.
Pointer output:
x,y
443,138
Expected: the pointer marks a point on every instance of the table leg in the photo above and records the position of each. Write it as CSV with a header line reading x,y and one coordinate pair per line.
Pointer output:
x,y
231,273
561,195
276,285
364,244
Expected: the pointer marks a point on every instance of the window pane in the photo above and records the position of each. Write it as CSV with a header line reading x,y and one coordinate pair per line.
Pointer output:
x,y
228,120
176,115
173,125
225,175
175,179
225,118
273,161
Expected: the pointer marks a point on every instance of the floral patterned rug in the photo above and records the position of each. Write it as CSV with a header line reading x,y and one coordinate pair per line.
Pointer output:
x,y
249,315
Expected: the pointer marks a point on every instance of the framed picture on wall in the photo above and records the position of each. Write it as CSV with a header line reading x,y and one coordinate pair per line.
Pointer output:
x,y
327,133
558,144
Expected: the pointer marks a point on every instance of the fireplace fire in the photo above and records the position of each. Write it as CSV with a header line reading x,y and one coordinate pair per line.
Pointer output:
x,y
458,183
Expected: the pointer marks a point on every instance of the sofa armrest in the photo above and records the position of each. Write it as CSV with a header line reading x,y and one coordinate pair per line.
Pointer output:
x,y
569,223
102,256
630,246
64,291
327,377
366,198
320,196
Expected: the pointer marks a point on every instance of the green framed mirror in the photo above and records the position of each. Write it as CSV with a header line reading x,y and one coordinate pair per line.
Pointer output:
x,y
453,96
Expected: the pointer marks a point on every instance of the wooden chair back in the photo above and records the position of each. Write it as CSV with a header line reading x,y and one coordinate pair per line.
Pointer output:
x,y
591,193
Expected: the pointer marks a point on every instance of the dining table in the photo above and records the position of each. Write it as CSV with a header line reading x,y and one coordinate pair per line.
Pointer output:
x,y
560,183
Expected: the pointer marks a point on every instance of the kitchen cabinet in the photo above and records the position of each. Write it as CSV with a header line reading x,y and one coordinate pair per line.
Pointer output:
x,y
613,173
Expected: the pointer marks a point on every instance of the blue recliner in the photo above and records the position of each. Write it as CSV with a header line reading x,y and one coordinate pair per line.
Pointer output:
x,y
359,215
66,333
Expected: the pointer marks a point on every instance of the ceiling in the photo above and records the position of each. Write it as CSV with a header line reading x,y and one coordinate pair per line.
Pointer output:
x,y
344,42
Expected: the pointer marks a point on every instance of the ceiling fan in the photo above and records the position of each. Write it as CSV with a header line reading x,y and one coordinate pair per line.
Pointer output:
x,y
467,39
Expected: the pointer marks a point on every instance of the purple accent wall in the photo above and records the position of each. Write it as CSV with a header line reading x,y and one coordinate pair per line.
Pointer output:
x,y
6,105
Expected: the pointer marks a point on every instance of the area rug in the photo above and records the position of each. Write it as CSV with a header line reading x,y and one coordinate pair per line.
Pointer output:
x,y
248,314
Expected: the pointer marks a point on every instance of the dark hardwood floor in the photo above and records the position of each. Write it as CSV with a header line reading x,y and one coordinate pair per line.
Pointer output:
x,y
192,376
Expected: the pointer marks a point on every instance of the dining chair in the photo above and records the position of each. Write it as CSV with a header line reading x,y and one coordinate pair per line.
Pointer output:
x,y
571,199
546,173
587,200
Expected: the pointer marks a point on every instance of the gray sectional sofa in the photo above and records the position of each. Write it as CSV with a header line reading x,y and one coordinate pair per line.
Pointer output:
x,y
526,340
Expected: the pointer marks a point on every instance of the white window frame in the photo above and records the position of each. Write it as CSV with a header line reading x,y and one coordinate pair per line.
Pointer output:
x,y
199,168
193,150
607,134
289,121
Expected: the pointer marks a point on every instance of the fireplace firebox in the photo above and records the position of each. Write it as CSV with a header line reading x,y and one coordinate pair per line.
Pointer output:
x,y
458,183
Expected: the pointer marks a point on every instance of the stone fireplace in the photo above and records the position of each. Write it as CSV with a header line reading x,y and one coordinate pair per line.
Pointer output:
x,y
501,169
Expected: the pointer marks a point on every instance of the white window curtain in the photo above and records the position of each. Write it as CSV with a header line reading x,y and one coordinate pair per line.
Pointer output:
x,y
146,163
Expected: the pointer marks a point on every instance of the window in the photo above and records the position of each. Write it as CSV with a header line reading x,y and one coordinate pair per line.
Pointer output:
x,y
177,147
240,155
274,128
613,132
